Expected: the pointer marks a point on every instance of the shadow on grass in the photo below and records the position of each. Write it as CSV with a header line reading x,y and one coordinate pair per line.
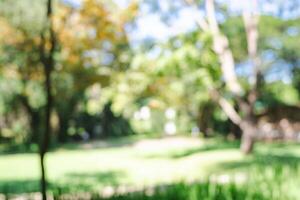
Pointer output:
x,y
7,149
19,186
212,146
98,144
71,182
262,161
91,181
282,144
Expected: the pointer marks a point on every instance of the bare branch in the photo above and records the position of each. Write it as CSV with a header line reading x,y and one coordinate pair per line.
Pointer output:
x,y
221,48
201,22
250,23
251,19
211,15
229,110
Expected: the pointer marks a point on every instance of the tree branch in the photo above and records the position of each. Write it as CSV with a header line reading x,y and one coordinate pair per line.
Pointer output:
x,y
226,107
201,22
251,19
221,48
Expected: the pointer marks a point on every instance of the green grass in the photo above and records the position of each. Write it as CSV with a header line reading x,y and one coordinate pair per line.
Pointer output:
x,y
141,163
183,191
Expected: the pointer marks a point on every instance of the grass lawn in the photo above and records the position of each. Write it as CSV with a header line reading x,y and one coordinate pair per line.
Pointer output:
x,y
143,162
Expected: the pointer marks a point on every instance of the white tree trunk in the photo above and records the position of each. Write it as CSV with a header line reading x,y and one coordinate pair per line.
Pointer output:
x,y
221,48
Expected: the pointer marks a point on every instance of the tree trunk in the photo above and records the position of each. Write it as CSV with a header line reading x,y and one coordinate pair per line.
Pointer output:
x,y
63,128
46,139
225,55
248,137
204,118
47,59
35,119
43,177
221,47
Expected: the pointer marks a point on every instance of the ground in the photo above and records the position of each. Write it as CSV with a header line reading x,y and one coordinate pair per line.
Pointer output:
x,y
140,162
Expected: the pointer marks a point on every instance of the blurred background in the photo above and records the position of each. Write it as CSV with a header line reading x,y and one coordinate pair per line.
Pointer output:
x,y
148,99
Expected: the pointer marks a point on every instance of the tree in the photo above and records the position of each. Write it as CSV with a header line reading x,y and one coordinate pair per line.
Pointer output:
x,y
94,46
19,53
91,44
47,50
245,91
77,46
221,47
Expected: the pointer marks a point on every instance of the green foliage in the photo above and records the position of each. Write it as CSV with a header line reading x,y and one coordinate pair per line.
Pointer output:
x,y
17,14
96,65
234,28
35,93
296,79
177,74
279,92
10,88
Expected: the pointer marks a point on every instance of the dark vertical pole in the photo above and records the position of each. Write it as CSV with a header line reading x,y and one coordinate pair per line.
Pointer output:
x,y
47,59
